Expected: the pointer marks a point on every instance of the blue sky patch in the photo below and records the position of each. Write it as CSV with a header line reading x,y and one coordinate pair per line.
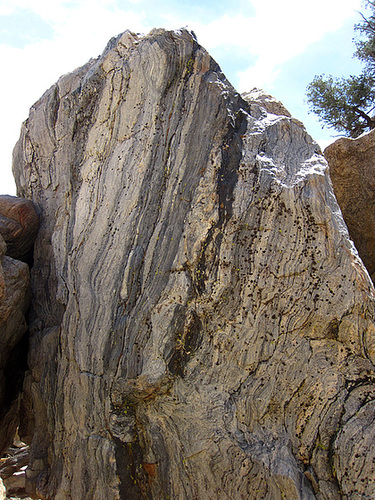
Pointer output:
x,y
23,28
194,10
332,54
232,62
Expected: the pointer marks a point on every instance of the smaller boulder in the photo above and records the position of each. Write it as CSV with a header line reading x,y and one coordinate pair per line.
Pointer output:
x,y
352,170
19,225
15,295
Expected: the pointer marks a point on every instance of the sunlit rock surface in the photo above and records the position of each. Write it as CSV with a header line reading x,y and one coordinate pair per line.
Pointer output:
x,y
201,326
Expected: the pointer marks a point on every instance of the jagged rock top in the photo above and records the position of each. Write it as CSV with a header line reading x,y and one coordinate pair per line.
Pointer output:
x,y
260,98
202,326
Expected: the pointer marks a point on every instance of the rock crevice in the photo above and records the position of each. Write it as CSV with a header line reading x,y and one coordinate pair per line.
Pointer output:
x,y
18,229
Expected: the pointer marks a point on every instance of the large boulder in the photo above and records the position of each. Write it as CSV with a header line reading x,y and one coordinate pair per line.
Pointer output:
x,y
352,169
201,324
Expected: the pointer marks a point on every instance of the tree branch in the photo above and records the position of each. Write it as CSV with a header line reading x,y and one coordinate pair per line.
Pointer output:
x,y
370,121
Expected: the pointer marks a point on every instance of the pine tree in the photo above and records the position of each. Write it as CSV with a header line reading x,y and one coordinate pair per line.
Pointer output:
x,y
347,104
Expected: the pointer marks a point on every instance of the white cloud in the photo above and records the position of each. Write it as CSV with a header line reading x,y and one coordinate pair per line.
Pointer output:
x,y
80,33
275,34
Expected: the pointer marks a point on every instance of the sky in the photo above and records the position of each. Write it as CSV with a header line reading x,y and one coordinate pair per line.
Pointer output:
x,y
271,44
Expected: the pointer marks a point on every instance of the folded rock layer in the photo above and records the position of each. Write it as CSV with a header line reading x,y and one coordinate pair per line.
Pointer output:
x,y
201,325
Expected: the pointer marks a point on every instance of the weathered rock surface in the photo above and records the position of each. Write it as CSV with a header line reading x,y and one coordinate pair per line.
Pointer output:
x,y
352,170
18,226
201,326
14,300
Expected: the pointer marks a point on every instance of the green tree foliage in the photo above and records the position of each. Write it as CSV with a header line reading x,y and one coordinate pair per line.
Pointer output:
x,y
344,104
347,104
366,48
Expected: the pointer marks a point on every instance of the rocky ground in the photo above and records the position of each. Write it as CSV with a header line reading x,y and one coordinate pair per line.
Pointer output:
x,y
13,472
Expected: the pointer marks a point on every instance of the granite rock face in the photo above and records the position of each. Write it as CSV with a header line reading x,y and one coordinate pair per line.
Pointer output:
x,y
352,170
201,325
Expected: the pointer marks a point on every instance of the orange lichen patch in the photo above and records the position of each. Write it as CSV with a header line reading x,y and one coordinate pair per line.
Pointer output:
x,y
150,469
